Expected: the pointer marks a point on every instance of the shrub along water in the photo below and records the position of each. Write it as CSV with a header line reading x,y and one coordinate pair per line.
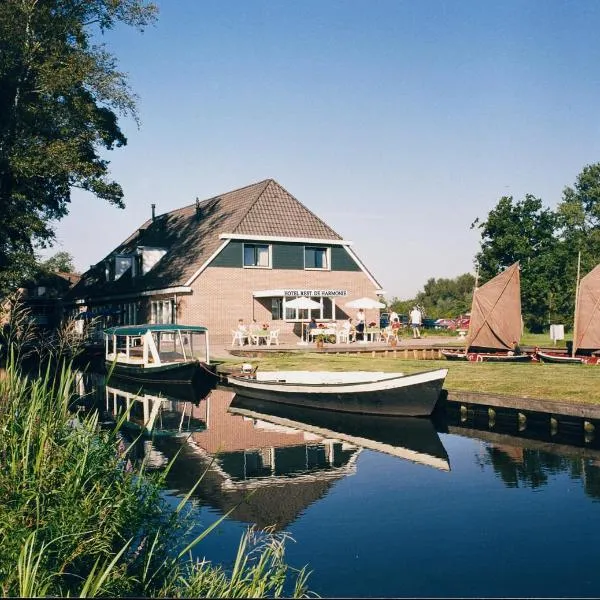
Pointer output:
x,y
78,518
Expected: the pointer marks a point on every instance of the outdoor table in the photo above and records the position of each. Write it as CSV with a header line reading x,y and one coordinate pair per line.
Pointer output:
x,y
326,331
374,333
258,335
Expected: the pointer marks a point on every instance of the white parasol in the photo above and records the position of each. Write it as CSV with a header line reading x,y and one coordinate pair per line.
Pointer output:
x,y
365,304
303,303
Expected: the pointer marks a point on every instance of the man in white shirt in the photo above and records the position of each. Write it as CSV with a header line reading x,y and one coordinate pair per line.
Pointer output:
x,y
415,321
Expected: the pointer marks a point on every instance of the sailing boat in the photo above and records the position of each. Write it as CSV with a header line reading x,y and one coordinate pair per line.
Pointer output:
x,y
495,321
586,324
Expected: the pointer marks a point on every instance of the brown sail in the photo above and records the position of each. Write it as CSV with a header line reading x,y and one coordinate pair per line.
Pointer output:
x,y
587,312
496,312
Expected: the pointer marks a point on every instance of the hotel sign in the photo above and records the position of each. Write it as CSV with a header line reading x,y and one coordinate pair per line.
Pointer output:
x,y
315,293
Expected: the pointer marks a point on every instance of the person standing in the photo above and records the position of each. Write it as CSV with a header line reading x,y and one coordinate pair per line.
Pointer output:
x,y
360,324
416,318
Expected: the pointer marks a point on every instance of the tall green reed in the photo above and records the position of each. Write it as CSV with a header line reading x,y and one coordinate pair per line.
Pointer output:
x,y
78,519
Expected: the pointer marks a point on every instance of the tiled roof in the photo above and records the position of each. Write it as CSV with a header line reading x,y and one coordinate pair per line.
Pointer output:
x,y
191,235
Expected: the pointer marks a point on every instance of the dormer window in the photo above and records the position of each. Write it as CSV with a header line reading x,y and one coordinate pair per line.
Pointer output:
x,y
316,258
122,265
257,256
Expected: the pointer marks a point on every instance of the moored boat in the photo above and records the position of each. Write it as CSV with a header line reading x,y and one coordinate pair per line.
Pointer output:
x,y
487,356
165,353
363,392
559,358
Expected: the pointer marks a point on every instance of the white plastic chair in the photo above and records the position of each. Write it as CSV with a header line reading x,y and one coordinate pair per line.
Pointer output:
x,y
238,336
273,337
343,336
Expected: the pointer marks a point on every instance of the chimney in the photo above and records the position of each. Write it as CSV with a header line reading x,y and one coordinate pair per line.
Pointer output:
x,y
198,211
153,211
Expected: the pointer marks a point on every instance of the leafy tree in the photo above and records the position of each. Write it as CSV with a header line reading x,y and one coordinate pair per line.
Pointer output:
x,y
578,216
523,231
60,97
60,262
440,297
447,297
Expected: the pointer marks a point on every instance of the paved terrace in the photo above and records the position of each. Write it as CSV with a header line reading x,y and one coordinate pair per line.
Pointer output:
x,y
423,348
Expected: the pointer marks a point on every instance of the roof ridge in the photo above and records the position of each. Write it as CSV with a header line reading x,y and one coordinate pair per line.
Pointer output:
x,y
215,196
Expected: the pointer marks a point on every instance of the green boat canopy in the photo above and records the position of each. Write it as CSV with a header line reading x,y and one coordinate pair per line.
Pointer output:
x,y
142,329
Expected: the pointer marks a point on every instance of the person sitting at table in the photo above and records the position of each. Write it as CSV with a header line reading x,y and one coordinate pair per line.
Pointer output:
x,y
311,325
254,330
243,330
350,330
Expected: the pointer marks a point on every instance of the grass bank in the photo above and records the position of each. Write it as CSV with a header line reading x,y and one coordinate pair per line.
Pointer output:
x,y
577,383
77,518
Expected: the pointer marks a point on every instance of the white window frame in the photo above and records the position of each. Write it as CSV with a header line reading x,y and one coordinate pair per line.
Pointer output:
x,y
161,309
327,258
270,259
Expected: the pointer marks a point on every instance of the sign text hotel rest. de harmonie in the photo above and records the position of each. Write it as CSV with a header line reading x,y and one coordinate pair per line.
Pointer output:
x,y
315,293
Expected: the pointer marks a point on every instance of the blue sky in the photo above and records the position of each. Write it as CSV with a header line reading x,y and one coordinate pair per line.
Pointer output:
x,y
396,122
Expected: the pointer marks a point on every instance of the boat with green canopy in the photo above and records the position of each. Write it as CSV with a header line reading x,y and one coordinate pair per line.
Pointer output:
x,y
165,353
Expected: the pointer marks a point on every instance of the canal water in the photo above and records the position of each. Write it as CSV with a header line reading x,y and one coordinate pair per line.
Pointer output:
x,y
378,507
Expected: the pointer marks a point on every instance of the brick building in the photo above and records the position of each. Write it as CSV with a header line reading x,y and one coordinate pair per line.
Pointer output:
x,y
242,254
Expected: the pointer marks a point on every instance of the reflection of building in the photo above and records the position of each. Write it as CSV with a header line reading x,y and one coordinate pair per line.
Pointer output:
x,y
286,469
242,254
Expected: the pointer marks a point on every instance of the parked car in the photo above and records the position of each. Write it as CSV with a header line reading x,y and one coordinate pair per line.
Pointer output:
x,y
384,320
428,323
445,324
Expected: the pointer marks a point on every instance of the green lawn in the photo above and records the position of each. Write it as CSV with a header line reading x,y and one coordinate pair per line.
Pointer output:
x,y
579,383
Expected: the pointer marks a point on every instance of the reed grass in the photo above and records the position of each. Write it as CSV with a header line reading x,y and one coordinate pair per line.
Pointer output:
x,y
78,518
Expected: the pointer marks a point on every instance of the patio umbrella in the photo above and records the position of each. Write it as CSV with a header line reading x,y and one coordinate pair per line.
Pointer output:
x,y
303,303
365,304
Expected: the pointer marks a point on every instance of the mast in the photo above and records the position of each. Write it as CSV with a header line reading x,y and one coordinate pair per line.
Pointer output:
x,y
573,347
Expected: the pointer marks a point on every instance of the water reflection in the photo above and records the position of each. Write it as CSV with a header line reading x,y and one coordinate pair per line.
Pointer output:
x,y
288,457
528,457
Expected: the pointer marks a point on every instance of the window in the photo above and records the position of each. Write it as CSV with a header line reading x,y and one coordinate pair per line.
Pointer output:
x,y
316,258
161,311
122,264
257,255
276,309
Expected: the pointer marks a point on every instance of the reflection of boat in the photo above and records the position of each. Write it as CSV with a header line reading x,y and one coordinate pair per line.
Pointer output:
x,y
158,353
405,437
182,392
360,392
158,412
586,325
495,321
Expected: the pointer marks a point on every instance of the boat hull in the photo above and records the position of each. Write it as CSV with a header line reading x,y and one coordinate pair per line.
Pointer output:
x,y
487,357
502,358
566,359
188,372
409,396
452,355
